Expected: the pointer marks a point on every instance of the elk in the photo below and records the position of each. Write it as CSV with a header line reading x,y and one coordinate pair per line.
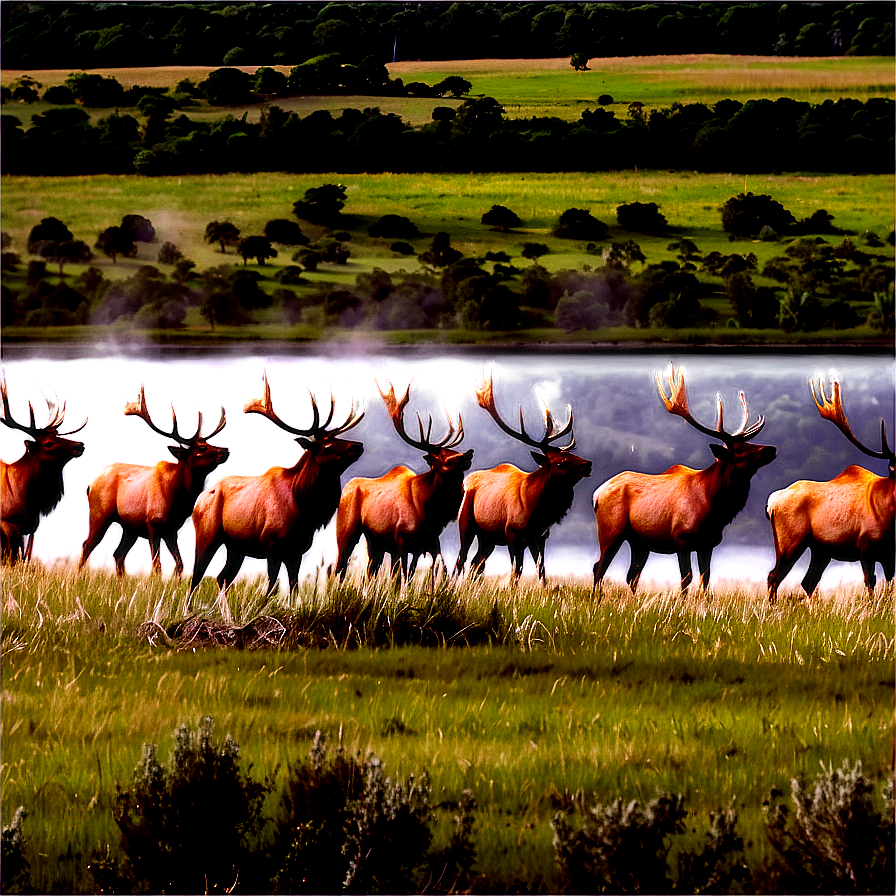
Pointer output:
x,y
681,510
152,502
510,507
403,512
32,486
274,516
849,517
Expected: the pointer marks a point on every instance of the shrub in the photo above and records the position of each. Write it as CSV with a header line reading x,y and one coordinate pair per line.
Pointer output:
x,y
836,840
140,227
641,217
169,254
189,829
501,218
745,215
625,849
579,224
605,99
285,232
402,248
394,227
291,275
531,251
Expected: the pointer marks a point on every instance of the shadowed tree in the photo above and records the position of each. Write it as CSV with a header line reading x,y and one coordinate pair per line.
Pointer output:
x,y
68,252
223,233
49,229
257,247
115,241
499,217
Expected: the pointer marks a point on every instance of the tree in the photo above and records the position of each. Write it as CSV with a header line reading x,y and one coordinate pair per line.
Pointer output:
x,y
269,81
115,241
753,307
641,217
440,253
141,227
227,87
257,247
25,89
454,85
67,252
579,62
623,255
533,251
169,254
501,218
394,227
285,232
49,229
579,224
322,204
222,232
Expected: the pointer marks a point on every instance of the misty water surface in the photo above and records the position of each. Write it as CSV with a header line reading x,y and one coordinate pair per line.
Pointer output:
x,y
620,424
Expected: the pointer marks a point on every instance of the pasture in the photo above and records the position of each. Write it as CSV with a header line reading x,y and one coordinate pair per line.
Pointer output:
x,y
550,87
531,697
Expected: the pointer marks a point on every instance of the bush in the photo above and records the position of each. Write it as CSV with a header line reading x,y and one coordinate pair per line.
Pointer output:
x,y
625,849
394,227
140,227
402,248
285,232
169,254
836,840
531,251
501,218
190,828
579,224
745,215
641,217
605,99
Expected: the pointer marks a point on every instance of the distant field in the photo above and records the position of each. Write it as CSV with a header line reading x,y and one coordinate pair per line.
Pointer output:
x,y
528,87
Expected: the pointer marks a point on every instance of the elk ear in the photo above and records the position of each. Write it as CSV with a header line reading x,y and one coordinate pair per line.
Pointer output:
x,y
468,455
178,451
721,452
430,459
307,444
540,459
30,447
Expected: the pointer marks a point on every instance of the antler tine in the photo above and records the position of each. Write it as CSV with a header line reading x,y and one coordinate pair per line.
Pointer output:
x,y
550,433
832,409
353,419
265,407
32,429
221,424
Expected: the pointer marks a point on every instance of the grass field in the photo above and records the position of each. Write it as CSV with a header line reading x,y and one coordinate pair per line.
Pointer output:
x,y
528,87
714,697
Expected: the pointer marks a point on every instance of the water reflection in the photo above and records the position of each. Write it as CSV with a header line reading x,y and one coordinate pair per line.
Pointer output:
x,y
620,424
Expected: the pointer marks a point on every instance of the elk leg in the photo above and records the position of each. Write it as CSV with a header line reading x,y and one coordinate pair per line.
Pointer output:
x,y
171,542
29,547
638,559
607,554
375,554
292,565
155,550
128,539
704,559
94,537
483,552
466,542
536,549
868,569
686,570
818,562
232,564
783,564
204,556
517,554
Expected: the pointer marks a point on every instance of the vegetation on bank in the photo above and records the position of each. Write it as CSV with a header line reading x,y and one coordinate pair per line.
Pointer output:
x,y
693,264
516,698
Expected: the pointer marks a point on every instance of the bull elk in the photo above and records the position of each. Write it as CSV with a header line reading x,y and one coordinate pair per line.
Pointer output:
x,y
849,517
152,502
681,510
274,516
507,506
403,513
32,486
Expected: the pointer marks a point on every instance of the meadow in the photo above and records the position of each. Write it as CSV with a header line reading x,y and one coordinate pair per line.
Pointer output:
x,y
533,697
537,87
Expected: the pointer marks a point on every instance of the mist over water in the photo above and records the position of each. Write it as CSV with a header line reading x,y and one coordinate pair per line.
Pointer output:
x,y
620,424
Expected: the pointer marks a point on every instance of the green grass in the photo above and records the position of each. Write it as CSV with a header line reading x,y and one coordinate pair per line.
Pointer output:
x,y
711,696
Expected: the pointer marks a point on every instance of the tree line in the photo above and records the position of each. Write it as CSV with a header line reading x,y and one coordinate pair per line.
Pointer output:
x,y
831,281
97,35
846,135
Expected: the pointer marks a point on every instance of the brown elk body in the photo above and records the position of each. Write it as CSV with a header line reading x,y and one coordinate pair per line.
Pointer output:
x,y
151,502
274,516
507,506
32,486
681,510
848,518
403,513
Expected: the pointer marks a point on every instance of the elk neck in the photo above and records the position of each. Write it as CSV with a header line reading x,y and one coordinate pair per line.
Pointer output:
x,y
727,490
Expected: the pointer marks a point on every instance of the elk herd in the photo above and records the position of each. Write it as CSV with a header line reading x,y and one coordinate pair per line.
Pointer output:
x,y
274,516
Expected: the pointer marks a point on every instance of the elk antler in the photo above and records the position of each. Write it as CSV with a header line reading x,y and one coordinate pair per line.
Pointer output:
x,y
317,430
833,410
677,403
396,412
486,398
57,416
138,409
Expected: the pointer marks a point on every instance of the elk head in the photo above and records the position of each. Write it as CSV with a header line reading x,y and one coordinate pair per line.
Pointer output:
x,y
559,461
440,456
735,451
832,409
194,449
322,443
49,444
